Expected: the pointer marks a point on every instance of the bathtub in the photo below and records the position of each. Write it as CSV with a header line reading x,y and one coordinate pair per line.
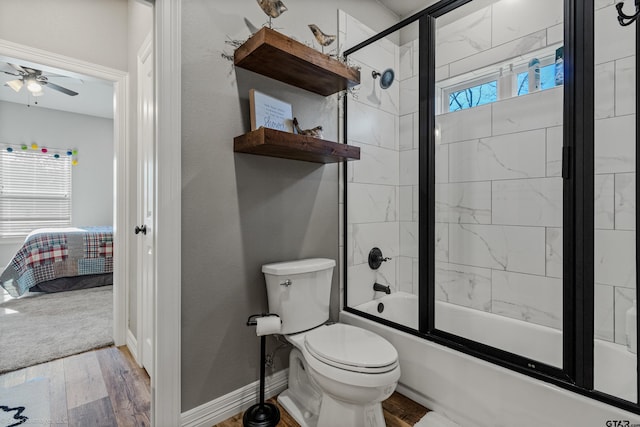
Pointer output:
x,y
473,392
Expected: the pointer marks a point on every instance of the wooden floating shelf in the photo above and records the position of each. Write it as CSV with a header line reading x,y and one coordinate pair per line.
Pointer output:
x,y
275,143
275,55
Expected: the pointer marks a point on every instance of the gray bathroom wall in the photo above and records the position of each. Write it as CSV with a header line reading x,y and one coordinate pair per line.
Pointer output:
x,y
241,211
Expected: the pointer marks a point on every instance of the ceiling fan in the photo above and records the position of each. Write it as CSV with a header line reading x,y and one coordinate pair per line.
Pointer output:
x,y
33,80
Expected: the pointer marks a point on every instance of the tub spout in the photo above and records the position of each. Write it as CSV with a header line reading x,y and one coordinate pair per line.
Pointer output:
x,y
381,288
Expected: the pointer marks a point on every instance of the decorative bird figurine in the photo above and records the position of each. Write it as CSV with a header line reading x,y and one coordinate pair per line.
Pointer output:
x,y
316,132
323,39
273,8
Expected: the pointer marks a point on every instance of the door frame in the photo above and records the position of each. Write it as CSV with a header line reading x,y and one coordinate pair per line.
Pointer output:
x,y
120,81
166,375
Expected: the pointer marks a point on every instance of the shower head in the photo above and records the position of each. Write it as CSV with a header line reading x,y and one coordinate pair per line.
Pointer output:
x,y
386,78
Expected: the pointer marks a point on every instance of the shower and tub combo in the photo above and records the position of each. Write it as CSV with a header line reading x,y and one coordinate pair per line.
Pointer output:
x,y
505,210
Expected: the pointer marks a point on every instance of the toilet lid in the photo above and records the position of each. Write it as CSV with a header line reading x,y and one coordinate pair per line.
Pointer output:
x,y
351,348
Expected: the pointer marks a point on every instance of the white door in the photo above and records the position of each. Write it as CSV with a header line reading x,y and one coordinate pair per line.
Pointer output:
x,y
146,204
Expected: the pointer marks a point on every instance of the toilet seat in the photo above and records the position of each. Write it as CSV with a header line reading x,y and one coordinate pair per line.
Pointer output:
x,y
351,349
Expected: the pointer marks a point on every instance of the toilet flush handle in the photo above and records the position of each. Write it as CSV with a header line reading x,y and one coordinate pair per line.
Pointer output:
x,y
286,283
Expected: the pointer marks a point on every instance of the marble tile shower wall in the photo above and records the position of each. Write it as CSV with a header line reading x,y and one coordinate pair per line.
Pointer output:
x,y
372,204
499,191
615,196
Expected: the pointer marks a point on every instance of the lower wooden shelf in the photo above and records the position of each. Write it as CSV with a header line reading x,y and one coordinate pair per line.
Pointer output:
x,y
275,143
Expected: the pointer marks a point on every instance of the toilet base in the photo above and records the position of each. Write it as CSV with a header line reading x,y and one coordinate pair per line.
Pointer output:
x,y
334,412
297,412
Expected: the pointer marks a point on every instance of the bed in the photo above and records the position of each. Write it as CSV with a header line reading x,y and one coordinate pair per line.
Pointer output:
x,y
61,259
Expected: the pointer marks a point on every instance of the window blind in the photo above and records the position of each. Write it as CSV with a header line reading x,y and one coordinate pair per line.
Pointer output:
x,y
35,192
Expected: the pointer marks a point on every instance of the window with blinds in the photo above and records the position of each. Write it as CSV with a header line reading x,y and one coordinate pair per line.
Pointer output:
x,y
35,192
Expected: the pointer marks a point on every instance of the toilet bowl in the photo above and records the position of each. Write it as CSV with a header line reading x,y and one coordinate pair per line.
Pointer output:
x,y
338,374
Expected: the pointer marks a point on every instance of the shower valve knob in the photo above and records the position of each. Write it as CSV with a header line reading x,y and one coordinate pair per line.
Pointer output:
x,y
376,258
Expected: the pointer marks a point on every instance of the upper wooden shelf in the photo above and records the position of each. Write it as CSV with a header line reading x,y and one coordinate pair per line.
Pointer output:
x,y
275,55
275,143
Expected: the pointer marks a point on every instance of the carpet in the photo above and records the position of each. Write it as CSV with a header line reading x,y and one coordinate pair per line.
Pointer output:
x,y
42,327
26,404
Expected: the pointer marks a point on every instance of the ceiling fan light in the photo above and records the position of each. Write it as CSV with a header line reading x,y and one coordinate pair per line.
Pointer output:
x,y
15,85
33,85
38,93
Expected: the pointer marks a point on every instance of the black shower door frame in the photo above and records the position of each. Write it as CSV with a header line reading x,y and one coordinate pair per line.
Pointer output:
x,y
577,371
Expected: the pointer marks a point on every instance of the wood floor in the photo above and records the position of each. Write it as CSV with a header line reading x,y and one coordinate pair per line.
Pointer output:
x,y
103,387
399,411
107,388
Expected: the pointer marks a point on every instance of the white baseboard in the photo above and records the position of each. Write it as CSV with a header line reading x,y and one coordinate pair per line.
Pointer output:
x,y
233,403
132,345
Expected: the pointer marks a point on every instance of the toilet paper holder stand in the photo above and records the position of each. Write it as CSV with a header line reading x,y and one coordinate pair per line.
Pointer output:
x,y
261,414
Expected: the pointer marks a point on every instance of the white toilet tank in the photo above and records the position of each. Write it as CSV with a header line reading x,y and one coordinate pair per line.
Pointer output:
x,y
299,292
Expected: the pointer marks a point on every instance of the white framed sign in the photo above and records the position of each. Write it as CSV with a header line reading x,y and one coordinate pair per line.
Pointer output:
x,y
269,112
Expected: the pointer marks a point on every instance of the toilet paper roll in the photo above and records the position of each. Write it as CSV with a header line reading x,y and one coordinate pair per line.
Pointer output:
x,y
268,325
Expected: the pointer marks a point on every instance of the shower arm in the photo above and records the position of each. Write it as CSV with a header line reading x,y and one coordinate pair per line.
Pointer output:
x,y
630,19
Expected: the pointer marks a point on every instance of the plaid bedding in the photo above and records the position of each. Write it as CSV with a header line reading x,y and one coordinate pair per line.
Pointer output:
x,y
50,253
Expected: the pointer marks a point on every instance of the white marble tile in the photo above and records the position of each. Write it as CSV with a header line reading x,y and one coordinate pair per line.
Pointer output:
x,y
416,57
442,242
477,124
626,86
442,73
463,285
555,34
612,41
604,312
416,130
468,203
405,127
604,196
372,126
416,203
406,203
554,250
405,274
371,203
514,156
623,302
409,167
409,239
406,61
533,111
376,166
518,249
361,238
533,202
615,262
463,37
599,4
416,275
514,19
535,299
409,96
512,49
442,164
378,55
360,279
625,201
371,94
605,90
615,145
554,150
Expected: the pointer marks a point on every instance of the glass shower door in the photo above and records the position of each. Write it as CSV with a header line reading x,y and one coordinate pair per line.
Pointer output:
x,y
498,184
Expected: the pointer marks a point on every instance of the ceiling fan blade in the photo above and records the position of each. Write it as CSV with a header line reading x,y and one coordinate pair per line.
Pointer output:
x,y
60,88
15,84
18,68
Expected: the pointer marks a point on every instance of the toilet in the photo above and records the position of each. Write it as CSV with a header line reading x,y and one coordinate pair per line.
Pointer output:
x,y
338,374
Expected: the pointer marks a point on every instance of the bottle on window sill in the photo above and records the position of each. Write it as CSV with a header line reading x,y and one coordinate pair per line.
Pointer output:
x,y
534,75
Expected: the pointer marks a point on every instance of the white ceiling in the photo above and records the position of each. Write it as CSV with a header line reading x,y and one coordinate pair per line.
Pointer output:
x,y
95,97
404,8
